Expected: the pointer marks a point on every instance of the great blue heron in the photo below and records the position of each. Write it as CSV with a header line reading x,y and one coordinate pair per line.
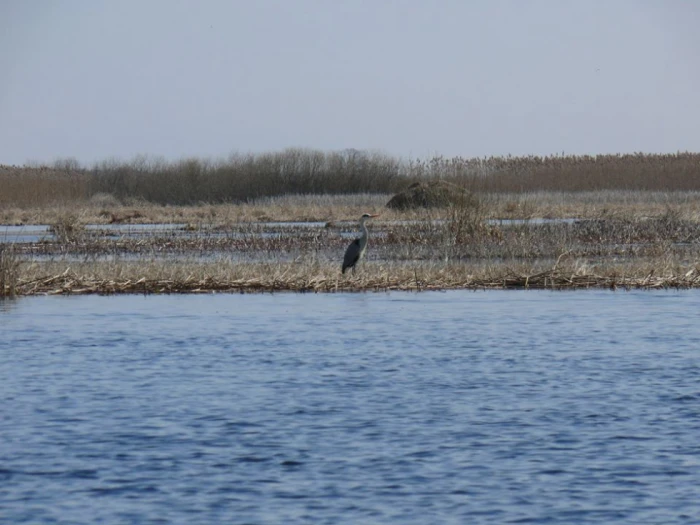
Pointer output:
x,y
357,248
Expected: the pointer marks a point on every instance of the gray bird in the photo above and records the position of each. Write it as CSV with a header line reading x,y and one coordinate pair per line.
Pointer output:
x,y
357,248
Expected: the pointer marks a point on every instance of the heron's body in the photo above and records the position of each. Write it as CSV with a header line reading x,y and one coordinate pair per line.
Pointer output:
x,y
358,247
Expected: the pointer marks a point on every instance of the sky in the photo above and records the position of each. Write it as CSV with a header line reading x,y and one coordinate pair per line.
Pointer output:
x,y
95,79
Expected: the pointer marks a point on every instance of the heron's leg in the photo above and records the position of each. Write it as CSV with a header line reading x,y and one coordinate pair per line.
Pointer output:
x,y
353,269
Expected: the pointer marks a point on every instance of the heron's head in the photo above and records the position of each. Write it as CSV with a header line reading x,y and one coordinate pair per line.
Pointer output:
x,y
366,216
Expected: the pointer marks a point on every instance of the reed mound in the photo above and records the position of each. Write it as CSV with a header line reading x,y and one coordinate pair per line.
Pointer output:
x,y
433,194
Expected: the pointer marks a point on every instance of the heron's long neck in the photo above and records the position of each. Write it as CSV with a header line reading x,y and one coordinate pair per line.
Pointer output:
x,y
365,234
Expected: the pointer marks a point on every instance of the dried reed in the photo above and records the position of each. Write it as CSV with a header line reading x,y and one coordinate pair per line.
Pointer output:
x,y
330,208
313,276
9,271
242,178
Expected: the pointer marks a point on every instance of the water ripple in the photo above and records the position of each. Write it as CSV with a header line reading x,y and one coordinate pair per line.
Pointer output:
x,y
459,407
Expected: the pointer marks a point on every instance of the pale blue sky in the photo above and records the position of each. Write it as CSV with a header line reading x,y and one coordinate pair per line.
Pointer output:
x,y
93,79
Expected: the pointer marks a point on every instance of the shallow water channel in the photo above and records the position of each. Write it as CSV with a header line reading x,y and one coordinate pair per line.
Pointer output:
x,y
34,233
452,407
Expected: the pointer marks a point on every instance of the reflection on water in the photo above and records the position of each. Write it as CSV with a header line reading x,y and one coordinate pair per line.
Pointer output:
x,y
454,407
6,304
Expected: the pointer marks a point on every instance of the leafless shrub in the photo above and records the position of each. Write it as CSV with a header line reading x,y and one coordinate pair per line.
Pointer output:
x,y
68,165
245,177
104,200
67,229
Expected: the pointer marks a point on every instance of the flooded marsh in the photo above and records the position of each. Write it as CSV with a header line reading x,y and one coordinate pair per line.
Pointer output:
x,y
411,254
615,239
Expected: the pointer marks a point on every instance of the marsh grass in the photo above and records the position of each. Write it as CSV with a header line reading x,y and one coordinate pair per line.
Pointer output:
x,y
461,252
32,187
331,208
306,208
9,271
67,228
197,277
466,218
465,235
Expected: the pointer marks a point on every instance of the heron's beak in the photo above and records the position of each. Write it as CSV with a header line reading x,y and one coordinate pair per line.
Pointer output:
x,y
374,215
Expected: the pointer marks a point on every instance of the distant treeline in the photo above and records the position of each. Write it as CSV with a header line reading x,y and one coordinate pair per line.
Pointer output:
x,y
244,177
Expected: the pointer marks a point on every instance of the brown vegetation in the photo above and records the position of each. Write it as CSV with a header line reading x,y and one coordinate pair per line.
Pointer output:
x,y
33,187
628,221
431,194
9,271
463,250
164,277
246,177
325,208
67,229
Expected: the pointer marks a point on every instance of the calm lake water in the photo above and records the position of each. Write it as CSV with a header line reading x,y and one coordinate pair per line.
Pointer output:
x,y
457,407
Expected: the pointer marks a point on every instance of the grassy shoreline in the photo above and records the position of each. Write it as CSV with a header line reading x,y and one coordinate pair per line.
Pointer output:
x,y
195,276
69,284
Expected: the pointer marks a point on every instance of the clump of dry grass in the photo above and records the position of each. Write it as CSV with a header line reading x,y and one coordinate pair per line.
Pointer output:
x,y
466,218
9,271
68,229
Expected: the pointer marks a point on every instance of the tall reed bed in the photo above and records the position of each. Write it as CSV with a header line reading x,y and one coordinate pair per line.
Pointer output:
x,y
247,177
31,187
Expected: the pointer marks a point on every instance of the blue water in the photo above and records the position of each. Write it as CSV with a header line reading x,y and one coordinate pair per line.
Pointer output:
x,y
457,407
